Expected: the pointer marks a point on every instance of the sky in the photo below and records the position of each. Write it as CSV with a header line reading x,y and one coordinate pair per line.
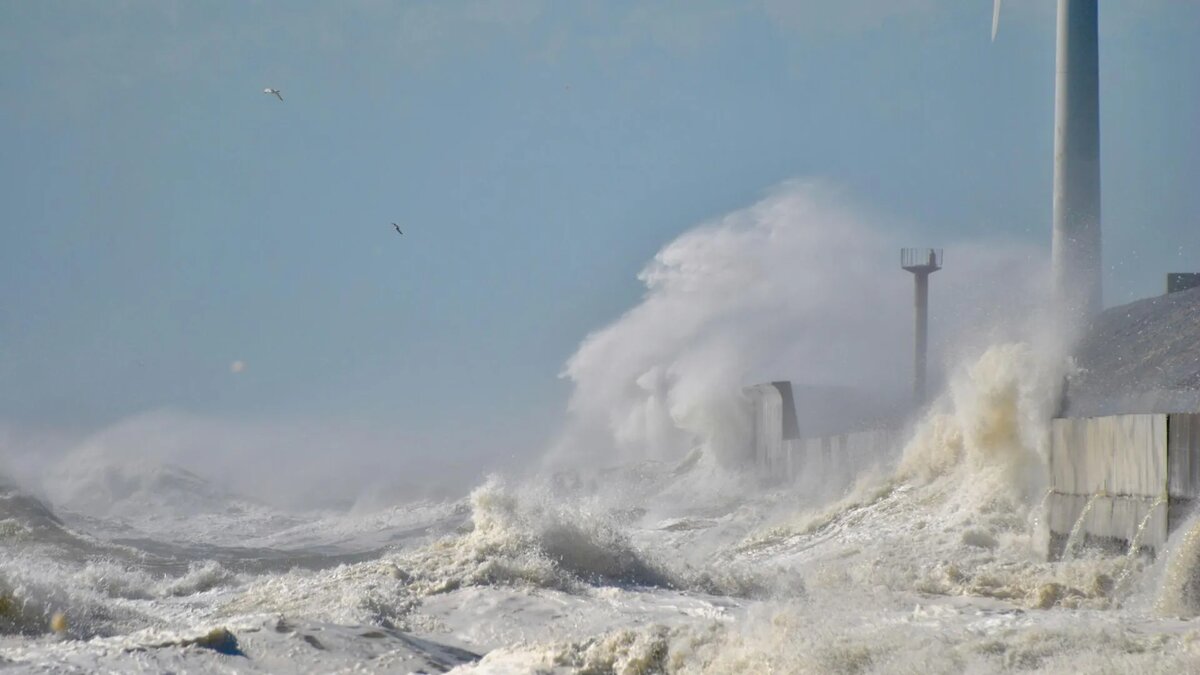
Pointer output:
x,y
162,219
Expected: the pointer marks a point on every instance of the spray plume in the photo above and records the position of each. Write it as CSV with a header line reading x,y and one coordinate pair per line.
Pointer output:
x,y
801,284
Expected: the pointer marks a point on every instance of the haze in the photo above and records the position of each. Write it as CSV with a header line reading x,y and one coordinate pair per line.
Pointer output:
x,y
195,271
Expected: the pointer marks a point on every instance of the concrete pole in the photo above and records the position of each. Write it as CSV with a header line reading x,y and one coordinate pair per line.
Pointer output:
x,y
1075,246
921,304
921,262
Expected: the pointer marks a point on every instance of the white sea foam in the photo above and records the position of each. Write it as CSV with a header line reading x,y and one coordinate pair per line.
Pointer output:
x,y
1179,590
801,283
929,568
659,557
833,639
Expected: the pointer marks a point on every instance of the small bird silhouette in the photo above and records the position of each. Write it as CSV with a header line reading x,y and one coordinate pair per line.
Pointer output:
x,y
269,90
397,228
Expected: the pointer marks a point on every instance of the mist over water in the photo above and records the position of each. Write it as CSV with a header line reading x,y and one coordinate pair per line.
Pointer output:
x,y
642,542
292,463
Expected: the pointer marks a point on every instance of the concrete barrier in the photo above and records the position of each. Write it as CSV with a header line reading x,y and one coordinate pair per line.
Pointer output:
x,y
1121,479
1114,480
830,462
774,422
838,459
1183,456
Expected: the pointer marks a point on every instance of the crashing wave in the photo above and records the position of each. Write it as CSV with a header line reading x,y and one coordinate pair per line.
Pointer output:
x,y
522,539
528,538
955,518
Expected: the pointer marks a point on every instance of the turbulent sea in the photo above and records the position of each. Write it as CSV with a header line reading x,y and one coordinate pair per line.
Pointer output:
x,y
924,561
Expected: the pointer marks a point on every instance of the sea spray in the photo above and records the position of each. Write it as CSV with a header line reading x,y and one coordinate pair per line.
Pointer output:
x,y
993,423
1077,533
523,536
978,451
1037,515
950,525
1039,530
1179,590
799,283
527,537
1135,546
969,485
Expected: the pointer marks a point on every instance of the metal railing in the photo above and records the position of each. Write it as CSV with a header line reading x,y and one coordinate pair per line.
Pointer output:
x,y
921,258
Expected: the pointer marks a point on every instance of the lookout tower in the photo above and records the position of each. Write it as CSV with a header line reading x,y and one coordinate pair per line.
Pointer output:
x,y
921,262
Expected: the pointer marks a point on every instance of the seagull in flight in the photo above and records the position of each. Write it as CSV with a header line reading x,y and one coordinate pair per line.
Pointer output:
x,y
269,90
397,228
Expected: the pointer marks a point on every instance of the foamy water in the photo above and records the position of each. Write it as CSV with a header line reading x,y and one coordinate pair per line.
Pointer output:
x,y
930,566
642,545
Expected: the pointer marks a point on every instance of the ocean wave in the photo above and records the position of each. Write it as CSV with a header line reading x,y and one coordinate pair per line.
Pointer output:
x,y
521,538
531,537
958,516
374,593
791,639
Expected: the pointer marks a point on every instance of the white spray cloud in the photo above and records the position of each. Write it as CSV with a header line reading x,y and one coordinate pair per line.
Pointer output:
x,y
291,462
800,285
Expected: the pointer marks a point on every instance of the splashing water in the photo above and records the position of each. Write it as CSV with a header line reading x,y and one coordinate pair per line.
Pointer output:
x,y
1179,592
1039,512
1076,535
926,566
1039,531
1135,546
803,281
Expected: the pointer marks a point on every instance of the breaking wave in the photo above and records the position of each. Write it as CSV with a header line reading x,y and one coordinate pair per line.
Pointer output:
x,y
671,561
952,530
516,538
958,516
530,537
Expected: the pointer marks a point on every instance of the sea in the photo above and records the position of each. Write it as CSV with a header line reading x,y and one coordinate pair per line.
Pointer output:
x,y
927,559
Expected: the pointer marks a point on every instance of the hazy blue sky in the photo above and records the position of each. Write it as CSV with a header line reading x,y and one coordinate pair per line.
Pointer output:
x,y
162,217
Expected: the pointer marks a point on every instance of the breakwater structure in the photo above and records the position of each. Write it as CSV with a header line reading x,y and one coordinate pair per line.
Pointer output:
x,y
1124,464
791,444
1127,436
1124,449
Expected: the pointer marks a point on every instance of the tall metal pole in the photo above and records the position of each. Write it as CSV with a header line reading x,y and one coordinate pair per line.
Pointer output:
x,y
921,262
1075,243
921,299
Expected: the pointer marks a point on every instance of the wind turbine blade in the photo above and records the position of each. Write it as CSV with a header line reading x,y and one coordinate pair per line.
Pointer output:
x,y
995,19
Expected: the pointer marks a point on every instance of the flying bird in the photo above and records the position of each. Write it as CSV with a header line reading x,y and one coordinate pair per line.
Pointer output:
x,y
397,228
269,90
